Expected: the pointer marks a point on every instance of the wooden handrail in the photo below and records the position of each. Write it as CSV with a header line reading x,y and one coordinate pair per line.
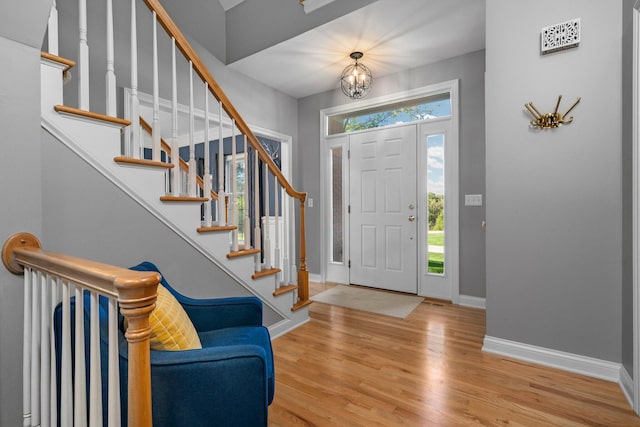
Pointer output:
x,y
183,165
136,292
187,50
190,54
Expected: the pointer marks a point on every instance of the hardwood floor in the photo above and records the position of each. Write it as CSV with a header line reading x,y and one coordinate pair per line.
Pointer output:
x,y
353,368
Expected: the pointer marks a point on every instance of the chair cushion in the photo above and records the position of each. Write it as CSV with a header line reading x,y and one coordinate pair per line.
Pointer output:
x,y
171,328
245,335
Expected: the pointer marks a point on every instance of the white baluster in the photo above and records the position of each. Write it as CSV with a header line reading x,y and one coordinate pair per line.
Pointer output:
x,y
267,220
66,392
110,78
45,350
276,250
176,174
53,394
206,174
221,194
256,208
52,29
83,58
135,150
114,368
285,239
95,378
234,189
35,349
80,382
155,132
246,223
192,147
26,348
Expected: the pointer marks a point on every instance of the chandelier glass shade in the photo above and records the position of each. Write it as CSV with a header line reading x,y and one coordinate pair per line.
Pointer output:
x,y
356,79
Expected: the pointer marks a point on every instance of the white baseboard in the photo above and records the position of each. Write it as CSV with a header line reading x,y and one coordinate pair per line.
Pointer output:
x,y
584,365
315,278
626,384
474,302
284,326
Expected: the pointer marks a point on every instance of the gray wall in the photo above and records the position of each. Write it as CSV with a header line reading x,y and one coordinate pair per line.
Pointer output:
x,y
554,197
470,70
627,179
22,26
259,105
255,25
88,216
202,20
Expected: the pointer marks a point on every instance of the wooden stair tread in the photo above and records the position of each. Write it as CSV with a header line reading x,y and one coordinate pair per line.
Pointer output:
x,y
215,228
284,290
301,304
68,63
184,199
63,109
243,252
142,162
265,273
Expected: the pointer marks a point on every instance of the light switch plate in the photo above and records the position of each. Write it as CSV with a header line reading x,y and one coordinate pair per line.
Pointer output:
x,y
473,199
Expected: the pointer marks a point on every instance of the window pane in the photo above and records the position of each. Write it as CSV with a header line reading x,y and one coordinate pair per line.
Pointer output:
x,y
401,112
435,203
240,182
337,253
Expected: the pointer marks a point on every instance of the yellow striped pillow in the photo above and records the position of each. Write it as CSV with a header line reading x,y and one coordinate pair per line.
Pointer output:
x,y
171,328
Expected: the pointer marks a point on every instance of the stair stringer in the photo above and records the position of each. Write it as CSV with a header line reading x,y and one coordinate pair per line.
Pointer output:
x,y
145,186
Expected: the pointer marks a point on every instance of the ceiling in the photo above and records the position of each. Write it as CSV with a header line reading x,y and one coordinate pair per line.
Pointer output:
x,y
392,38
228,4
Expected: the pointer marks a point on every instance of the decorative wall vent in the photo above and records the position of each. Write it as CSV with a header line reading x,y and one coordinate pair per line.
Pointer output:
x,y
560,36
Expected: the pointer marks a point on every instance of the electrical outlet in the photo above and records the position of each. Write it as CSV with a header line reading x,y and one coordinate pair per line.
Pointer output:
x,y
310,202
473,199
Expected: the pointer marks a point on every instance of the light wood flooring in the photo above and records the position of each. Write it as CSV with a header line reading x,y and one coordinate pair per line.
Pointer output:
x,y
352,368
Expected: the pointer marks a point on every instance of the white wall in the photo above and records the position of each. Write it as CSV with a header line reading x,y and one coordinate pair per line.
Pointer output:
x,y
554,197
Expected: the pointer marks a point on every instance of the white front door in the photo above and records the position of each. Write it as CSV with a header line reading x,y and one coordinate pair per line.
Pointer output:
x,y
383,209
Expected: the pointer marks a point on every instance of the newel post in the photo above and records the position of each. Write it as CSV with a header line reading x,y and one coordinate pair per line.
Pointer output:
x,y
137,299
303,274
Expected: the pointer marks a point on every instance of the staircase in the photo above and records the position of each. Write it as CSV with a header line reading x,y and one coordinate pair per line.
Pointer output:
x,y
257,250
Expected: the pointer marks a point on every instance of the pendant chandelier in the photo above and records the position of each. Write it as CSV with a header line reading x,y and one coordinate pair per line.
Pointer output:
x,y
356,79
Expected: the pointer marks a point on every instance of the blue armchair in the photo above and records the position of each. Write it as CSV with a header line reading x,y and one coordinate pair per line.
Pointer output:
x,y
229,382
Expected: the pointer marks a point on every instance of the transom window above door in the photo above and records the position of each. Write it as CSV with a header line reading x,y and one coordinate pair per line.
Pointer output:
x,y
414,110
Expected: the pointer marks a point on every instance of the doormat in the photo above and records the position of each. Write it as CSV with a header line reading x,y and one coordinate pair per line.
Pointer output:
x,y
386,303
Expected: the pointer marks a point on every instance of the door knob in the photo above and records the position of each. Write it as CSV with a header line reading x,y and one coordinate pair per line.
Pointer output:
x,y
412,218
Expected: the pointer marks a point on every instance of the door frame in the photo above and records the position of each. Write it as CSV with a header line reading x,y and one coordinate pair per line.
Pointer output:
x,y
327,141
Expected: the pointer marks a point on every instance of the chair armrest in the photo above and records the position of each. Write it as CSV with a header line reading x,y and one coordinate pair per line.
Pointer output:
x,y
212,386
219,313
